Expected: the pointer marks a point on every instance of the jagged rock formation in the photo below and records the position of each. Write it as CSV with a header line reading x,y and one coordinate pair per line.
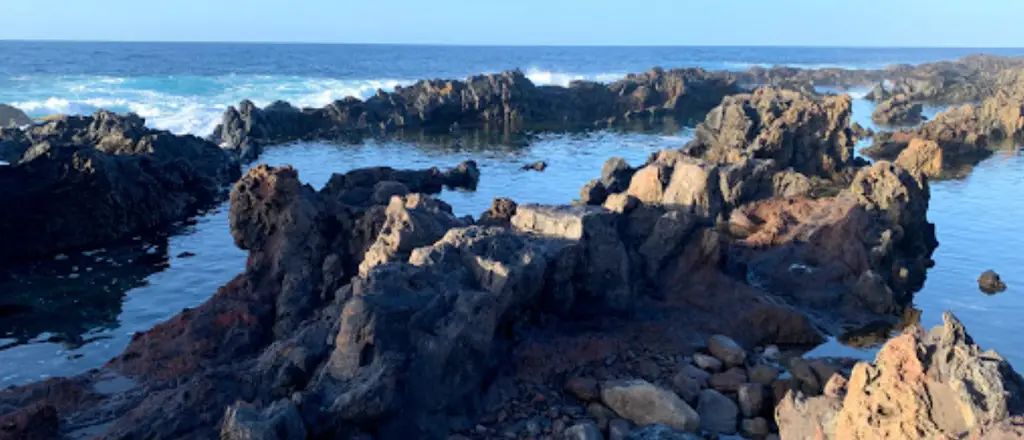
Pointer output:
x,y
967,134
83,181
811,136
507,101
898,110
922,385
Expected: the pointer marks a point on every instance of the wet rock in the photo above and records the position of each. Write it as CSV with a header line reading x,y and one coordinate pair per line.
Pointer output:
x,y
922,385
990,283
583,431
811,136
82,181
645,404
897,110
584,388
539,166
500,214
12,117
751,398
718,413
727,350
279,421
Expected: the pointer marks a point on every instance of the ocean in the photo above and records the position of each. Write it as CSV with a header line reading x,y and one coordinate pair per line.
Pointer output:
x,y
66,316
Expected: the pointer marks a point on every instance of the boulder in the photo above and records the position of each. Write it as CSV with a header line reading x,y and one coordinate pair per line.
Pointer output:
x,y
751,398
584,388
898,110
412,221
645,404
921,385
616,175
83,181
809,135
593,193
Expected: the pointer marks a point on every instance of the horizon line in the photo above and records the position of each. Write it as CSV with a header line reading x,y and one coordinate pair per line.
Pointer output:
x,y
328,43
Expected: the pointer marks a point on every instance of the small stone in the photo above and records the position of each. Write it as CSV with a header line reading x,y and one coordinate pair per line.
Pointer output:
x,y
751,399
618,429
583,431
728,381
60,257
764,374
697,374
706,362
186,255
823,370
727,350
457,437
718,414
584,388
643,403
756,428
990,283
687,387
772,353
481,429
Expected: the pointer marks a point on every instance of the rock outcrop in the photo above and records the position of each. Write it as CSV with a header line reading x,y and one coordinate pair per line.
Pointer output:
x,y
898,110
12,117
811,136
83,181
922,385
506,101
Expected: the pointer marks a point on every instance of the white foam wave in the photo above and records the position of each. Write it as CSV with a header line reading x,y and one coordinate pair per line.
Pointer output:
x,y
550,78
192,105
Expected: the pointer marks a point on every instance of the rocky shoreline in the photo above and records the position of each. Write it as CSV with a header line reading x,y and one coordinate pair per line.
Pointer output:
x,y
671,301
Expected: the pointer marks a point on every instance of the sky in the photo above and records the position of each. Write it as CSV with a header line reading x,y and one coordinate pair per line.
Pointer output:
x,y
877,23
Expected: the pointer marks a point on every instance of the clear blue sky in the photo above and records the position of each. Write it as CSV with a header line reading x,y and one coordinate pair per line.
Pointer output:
x,y
971,23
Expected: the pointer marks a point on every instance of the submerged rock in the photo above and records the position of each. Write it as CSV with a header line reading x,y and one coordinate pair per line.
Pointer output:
x,y
82,181
922,385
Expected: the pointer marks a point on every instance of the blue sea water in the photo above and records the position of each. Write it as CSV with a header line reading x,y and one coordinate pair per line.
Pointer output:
x,y
92,303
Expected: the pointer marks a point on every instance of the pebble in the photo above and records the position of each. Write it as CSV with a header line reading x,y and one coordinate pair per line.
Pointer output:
x,y
618,429
754,428
727,350
706,362
718,414
687,387
728,381
583,431
772,353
